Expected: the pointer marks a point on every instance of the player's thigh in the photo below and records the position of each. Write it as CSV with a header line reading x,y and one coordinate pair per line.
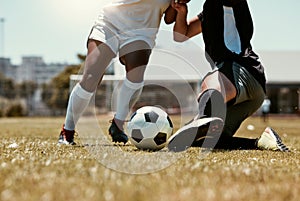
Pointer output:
x,y
135,56
98,58
218,81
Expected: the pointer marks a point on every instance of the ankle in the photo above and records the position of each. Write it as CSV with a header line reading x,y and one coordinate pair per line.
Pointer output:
x,y
119,123
67,128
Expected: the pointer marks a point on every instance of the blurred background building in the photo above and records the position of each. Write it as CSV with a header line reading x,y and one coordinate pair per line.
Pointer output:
x,y
167,69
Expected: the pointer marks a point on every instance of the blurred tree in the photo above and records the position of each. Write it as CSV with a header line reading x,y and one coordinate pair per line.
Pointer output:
x,y
26,89
7,87
15,110
10,92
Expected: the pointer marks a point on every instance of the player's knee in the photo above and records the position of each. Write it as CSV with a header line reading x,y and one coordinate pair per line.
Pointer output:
x,y
211,81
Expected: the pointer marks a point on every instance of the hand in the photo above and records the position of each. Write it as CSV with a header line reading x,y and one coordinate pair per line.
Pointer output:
x,y
179,7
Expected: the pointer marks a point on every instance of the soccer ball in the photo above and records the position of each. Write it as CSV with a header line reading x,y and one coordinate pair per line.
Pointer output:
x,y
149,128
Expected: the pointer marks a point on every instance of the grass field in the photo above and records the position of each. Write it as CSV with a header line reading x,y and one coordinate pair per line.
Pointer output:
x,y
33,167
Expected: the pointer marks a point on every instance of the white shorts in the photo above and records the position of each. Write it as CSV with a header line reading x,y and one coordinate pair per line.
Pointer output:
x,y
107,33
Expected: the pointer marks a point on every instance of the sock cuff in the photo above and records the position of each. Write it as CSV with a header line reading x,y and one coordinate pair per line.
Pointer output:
x,y
82,93
133,85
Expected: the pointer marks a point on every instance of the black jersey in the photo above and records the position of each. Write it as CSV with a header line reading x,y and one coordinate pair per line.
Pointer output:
x,y
212,20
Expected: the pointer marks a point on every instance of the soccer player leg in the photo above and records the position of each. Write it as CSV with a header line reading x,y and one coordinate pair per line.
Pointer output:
x,y
209,121
135,57
214,103
129,91
99,57
249,98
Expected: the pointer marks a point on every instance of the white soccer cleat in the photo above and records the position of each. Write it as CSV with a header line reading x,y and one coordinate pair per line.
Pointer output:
x,y
270,140
193,131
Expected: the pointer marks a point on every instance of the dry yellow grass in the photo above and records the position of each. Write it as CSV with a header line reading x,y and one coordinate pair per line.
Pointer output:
x,y
33,167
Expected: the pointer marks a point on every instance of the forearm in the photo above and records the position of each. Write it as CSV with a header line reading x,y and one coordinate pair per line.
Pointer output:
x,y
180,27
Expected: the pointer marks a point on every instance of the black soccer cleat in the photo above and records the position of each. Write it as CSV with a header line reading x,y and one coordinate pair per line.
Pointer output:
x,y
117,134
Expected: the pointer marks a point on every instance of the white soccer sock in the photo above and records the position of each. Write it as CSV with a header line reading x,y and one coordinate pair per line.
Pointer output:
x,y
127,90
78,101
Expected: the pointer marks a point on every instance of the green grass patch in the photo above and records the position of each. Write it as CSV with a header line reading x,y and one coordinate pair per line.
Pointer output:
x,y
33,167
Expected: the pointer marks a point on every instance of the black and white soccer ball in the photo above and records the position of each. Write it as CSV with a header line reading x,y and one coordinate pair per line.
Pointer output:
x,y
149,128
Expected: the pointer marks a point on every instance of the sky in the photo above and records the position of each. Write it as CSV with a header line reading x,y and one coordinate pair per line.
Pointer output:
x,y
57,29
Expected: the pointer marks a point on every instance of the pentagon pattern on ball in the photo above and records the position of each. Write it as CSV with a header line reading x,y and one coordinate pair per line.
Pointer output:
x,y
151,117
160,138
137,135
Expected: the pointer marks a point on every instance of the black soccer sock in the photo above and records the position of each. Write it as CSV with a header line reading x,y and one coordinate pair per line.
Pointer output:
x,y
211,104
